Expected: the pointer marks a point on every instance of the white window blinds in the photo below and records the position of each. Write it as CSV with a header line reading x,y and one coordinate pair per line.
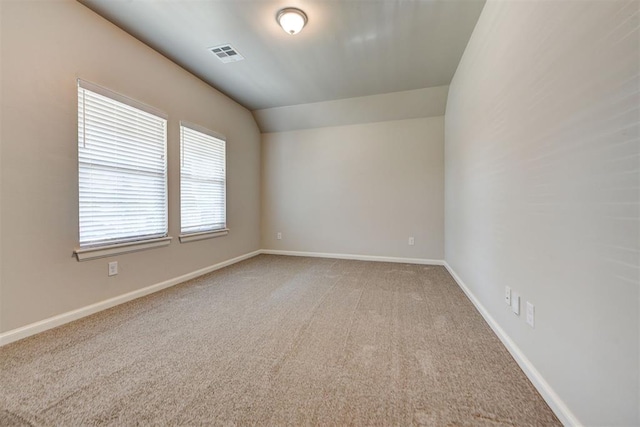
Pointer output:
x,y
202,180
122,166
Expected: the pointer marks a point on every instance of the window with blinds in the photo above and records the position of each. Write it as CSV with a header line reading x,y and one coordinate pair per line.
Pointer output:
x,y
122,166
202,180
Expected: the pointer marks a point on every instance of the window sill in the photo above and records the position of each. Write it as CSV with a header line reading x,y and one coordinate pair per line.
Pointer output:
x,y
193,237
122,248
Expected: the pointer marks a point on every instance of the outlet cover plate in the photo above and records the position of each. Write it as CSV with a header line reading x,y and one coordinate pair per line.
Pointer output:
x,y
113,268
531,311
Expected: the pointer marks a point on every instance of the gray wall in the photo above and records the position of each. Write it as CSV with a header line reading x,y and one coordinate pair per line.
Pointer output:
x,y
360,189
46,45
542,177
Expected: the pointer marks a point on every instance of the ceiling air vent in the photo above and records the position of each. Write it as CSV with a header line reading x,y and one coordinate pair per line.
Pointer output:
x,y
226,53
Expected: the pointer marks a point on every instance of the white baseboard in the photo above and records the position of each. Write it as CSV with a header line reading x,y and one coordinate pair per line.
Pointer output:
x,y
548,394
61,319
55,321
355,257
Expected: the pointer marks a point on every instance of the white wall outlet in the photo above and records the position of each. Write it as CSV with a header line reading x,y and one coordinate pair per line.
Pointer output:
x,y
279,235
113,268
412,241
531,314
507,295
515,303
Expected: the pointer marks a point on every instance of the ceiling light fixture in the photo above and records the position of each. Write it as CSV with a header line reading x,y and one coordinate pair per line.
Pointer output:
x,y
292,20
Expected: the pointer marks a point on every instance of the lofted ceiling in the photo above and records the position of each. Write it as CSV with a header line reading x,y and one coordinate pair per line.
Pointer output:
x,y
349,48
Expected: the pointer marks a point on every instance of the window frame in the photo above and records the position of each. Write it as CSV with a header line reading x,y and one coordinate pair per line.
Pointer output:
x,y
102,249
202,234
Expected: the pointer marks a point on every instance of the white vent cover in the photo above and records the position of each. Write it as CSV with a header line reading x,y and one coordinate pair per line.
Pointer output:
x,y
226,53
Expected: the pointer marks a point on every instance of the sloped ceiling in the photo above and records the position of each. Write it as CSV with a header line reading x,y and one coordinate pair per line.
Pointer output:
x,y
348,49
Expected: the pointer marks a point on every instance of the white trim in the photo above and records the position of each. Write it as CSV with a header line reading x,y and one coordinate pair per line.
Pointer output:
x,y
192,237
84,254
356,257
84,84
548,394
204,130
61,319
553,400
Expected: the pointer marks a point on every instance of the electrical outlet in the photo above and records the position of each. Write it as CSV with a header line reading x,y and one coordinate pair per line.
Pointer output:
x,y
113,268
530,314
279,235
515,303
411,241
507,295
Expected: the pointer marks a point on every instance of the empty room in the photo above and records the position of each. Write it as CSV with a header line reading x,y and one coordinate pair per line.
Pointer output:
x,y
315,212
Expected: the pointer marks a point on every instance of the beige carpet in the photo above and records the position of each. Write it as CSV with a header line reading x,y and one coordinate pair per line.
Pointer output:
x,y
276,341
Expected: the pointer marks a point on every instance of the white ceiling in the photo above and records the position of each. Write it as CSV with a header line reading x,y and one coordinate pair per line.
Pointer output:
x,y
348,49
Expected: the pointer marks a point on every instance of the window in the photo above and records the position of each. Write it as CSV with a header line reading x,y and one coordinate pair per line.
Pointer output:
x,y
122,165
202,183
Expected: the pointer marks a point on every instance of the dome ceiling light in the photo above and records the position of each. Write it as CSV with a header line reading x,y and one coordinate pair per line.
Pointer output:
x,y
291,20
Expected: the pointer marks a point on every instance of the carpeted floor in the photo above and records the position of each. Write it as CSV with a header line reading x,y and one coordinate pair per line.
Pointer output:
x,y
276,341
